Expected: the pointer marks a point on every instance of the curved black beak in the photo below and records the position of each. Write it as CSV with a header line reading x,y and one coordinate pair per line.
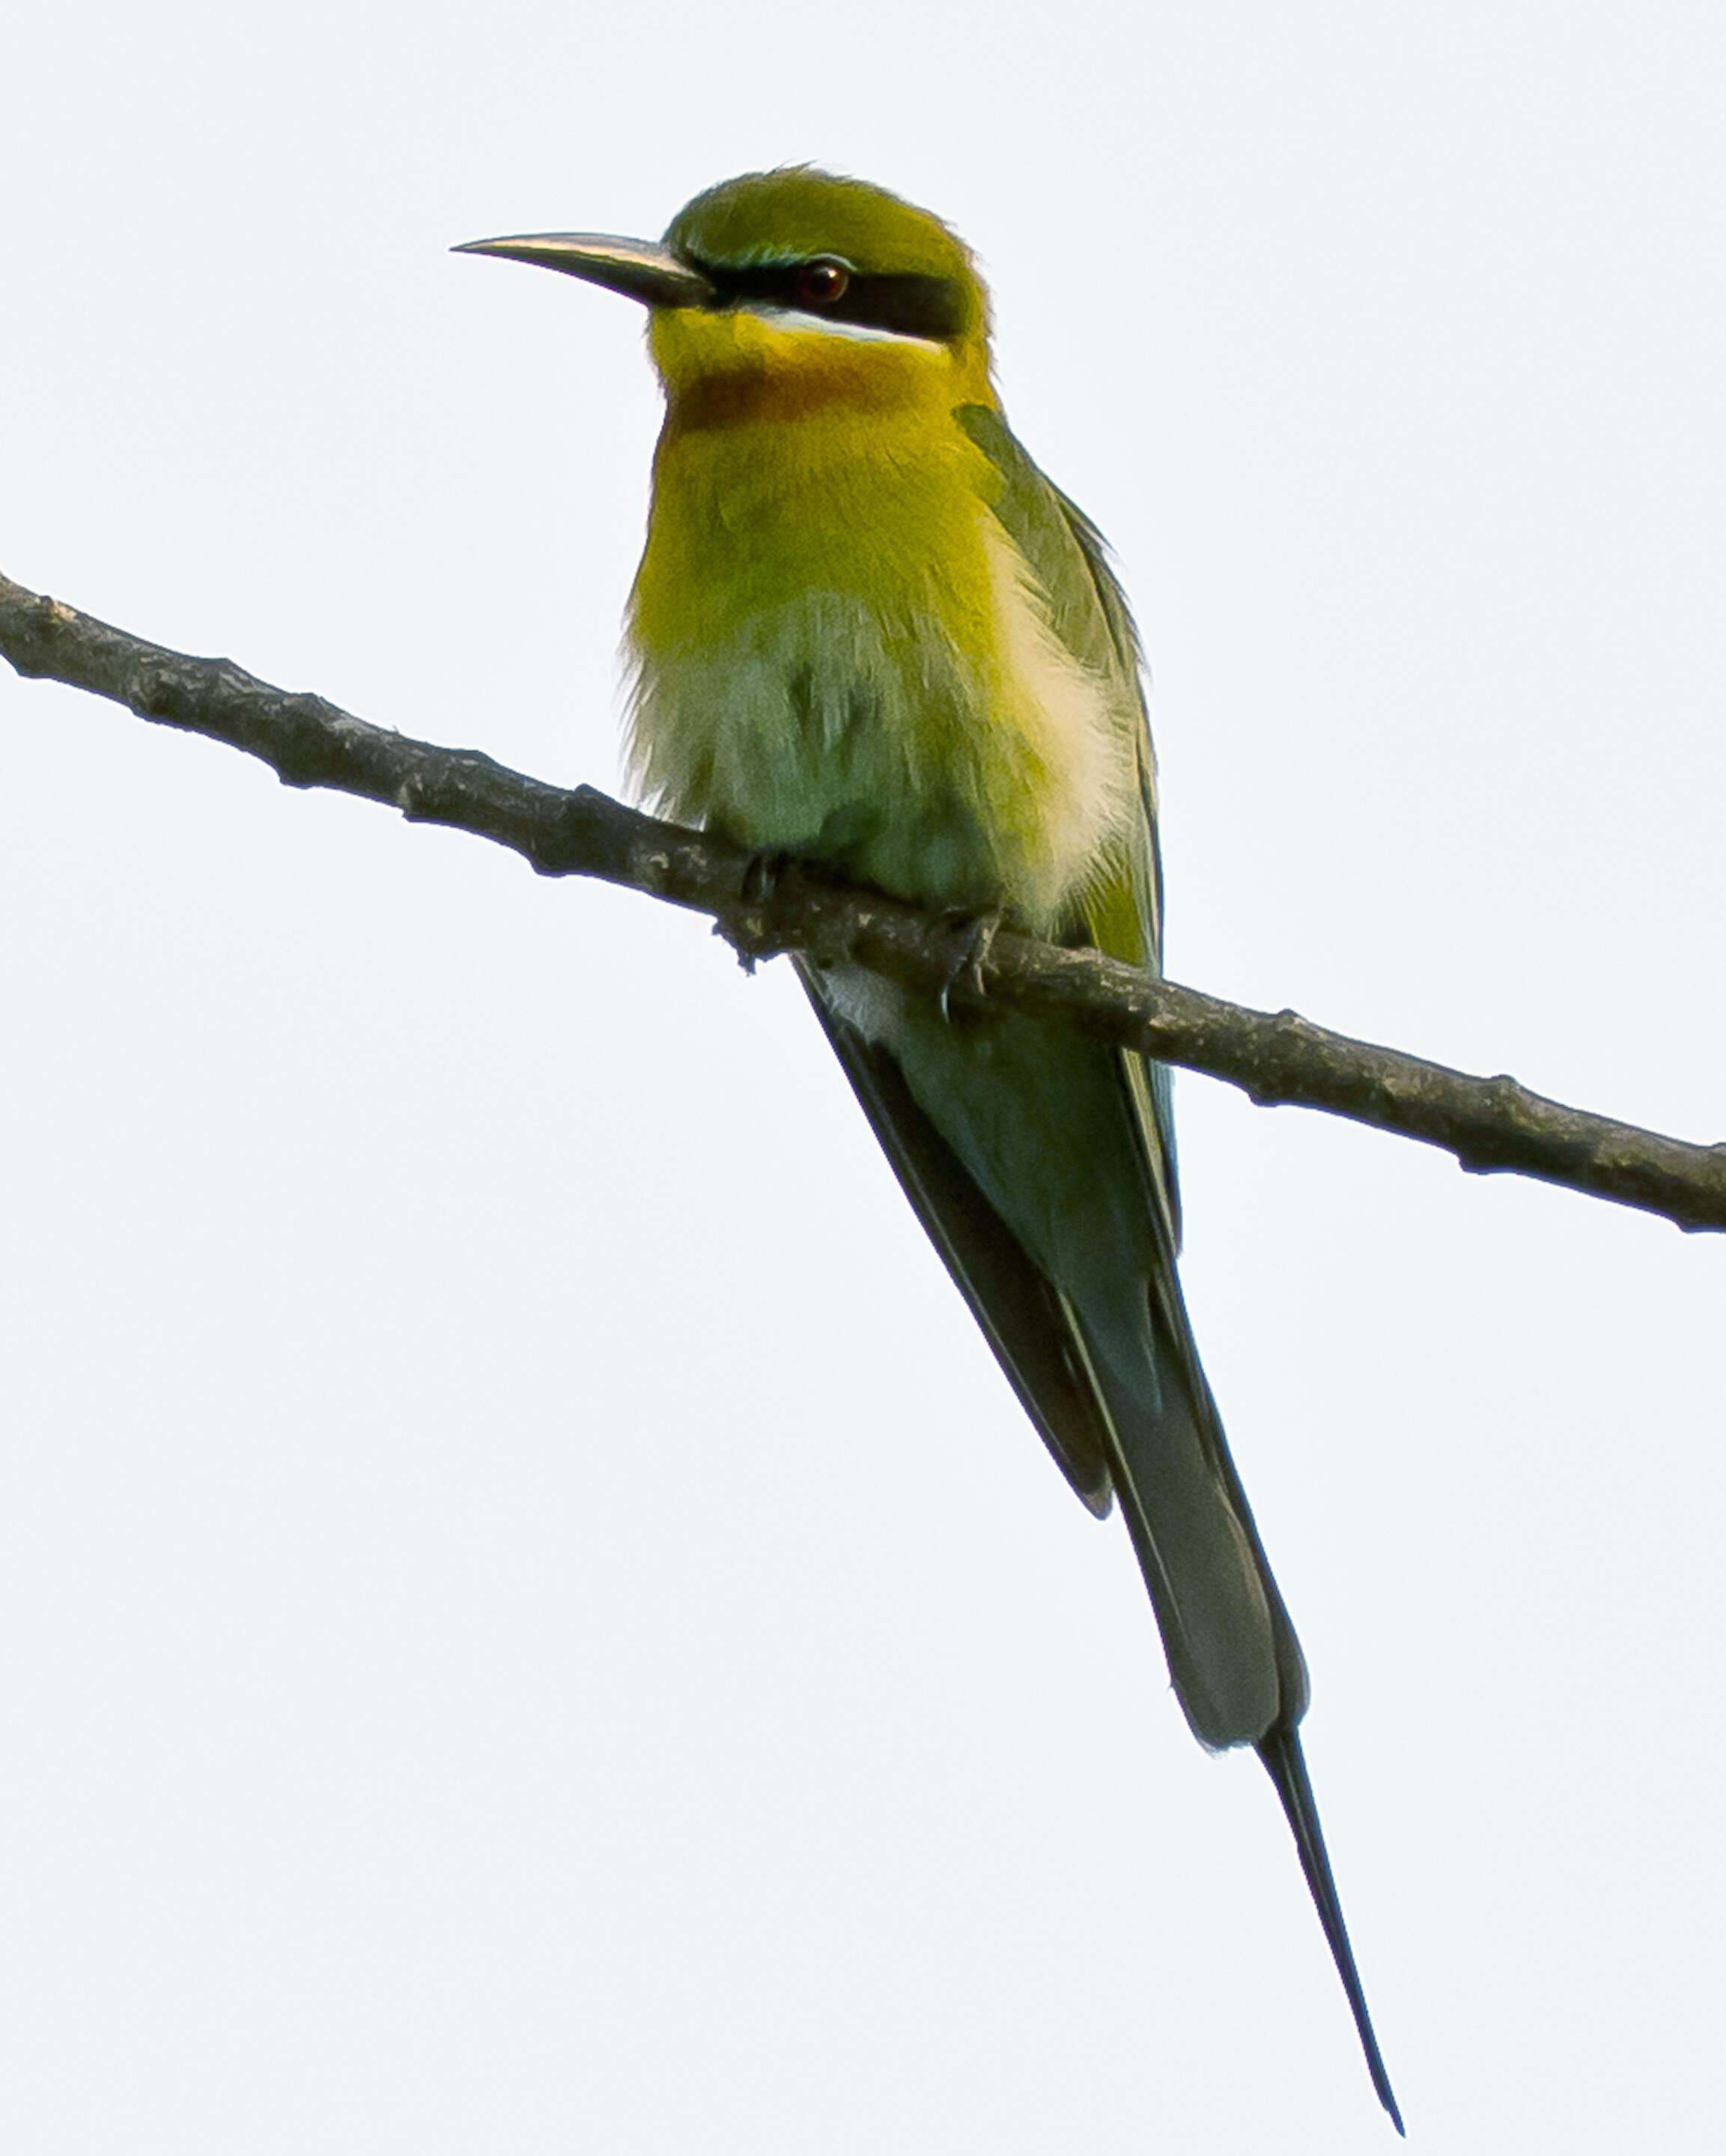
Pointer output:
x,y
637,268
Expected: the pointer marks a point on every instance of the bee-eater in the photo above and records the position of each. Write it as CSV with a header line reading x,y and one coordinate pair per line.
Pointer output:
x,y
868,633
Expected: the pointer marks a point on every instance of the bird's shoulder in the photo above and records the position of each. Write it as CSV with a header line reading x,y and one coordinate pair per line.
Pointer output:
x,y
1064,552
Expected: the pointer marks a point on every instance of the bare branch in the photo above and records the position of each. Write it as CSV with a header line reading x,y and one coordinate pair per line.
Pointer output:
x,y
1492,1125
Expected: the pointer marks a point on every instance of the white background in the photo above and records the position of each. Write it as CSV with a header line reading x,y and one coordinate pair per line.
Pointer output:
x,y
528,1619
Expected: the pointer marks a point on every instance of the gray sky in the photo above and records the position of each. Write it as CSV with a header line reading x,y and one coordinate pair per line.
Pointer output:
x,y
528,1619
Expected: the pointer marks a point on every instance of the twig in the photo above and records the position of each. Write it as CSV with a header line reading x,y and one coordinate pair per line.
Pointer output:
x,y
1492,1125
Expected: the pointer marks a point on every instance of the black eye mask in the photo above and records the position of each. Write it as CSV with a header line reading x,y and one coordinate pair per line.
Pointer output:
x,y
904,302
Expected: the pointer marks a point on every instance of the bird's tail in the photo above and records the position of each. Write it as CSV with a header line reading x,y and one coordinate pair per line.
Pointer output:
x,y
1236,1665
1280,1748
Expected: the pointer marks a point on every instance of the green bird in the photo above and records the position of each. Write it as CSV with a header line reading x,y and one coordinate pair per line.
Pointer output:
x,y
869,634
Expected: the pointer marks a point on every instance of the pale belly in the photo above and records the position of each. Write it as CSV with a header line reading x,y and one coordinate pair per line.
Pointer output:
x,y
934,739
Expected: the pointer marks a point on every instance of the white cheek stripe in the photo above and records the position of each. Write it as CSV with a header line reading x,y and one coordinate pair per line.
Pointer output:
x,y
793,318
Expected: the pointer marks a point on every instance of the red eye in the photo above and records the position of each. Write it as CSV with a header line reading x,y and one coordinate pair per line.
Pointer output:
x,y
820,283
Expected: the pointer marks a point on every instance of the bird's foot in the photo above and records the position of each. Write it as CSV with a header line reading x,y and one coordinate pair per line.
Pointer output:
x,y
974,938
763,873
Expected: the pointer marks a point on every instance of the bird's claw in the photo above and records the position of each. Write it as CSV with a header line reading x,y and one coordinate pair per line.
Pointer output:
x,y
974,935
762,873
755,886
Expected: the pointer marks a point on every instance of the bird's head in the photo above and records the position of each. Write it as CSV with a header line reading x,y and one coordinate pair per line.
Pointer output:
x,y
786,291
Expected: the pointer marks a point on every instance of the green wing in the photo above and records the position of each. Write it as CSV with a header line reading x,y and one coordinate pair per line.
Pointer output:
x,y
1088,611
1023,1316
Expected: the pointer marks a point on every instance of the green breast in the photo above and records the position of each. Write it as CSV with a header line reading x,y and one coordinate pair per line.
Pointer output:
x,y
829,663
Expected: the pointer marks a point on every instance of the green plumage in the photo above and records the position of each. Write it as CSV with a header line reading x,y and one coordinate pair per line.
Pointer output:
x,y
868,632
